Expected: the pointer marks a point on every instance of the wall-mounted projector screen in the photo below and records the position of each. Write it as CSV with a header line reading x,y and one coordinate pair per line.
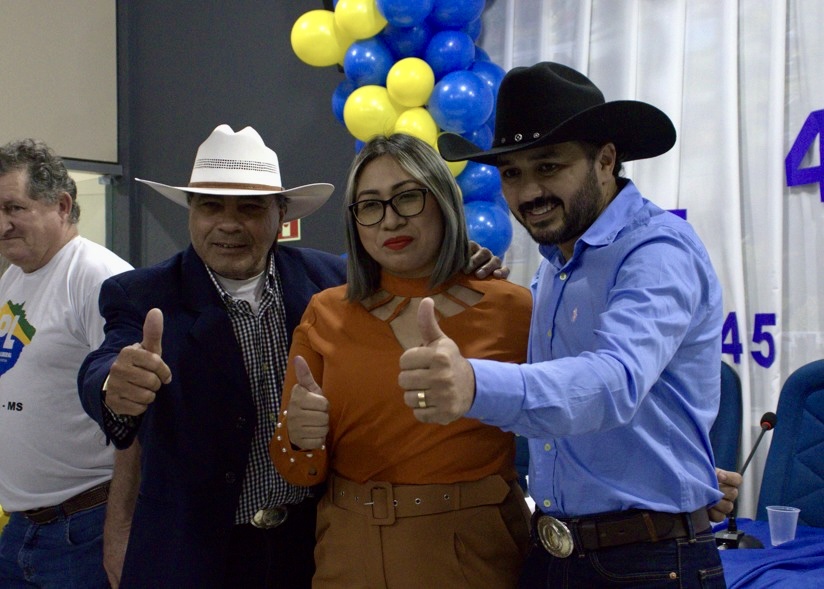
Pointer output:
x,y
58,75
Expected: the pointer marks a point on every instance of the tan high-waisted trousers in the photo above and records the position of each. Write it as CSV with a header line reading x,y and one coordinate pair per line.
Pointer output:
x,y
378,535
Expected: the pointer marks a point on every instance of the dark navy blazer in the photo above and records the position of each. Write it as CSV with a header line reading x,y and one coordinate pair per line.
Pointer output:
x,y
196,435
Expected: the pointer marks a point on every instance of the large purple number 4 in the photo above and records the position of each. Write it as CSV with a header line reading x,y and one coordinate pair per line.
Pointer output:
x,y
806,138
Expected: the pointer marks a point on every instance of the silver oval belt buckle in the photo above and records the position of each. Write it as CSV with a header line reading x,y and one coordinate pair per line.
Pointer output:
x,y
555,536
269,518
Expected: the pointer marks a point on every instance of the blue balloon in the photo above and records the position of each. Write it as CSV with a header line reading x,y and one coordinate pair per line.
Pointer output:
x,y
367,62
460,102
405,13
489,72
474,29
449,51
480,136
490,122
456,14
407,42
479,182
501,202
488,225
481,55
359,145
339,96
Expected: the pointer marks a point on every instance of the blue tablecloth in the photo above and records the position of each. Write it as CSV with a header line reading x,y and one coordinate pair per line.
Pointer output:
x,y
798,564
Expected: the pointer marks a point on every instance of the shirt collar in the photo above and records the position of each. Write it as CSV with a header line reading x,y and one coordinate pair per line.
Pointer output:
x,y
271,280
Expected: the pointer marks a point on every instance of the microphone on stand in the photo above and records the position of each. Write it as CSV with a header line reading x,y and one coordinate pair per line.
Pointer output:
x,y
732,537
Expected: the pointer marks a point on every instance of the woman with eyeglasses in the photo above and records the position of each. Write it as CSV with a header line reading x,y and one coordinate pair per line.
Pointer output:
x,y
407,504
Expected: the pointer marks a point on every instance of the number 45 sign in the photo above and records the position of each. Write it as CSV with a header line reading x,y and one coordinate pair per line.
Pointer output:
x,y
797,175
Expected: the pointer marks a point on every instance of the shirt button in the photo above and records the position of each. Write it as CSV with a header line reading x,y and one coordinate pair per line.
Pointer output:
x,y
549,333
264,367
547,502
563,276
230,477
240,423
547,447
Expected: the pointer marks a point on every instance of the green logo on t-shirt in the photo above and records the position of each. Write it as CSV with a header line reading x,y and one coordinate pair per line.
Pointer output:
x,y
15,334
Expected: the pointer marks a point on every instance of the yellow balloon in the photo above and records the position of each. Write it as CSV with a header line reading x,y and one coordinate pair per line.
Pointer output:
x,y
369,112
360,19
317,40
410,81
418,123
456,167
4,518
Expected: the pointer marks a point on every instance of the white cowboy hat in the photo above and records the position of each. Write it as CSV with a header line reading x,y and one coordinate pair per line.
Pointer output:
x,y
239,164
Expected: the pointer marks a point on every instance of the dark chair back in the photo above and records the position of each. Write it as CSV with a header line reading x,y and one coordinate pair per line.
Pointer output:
x,y
794,471
725,435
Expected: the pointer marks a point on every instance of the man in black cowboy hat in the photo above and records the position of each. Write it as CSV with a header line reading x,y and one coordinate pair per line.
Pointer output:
x,y
623,380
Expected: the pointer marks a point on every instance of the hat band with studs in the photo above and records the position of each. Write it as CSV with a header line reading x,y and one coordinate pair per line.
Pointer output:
x,y
518,137
235,185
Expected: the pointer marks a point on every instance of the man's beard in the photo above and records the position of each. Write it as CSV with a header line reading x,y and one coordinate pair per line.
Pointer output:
x,y
584,208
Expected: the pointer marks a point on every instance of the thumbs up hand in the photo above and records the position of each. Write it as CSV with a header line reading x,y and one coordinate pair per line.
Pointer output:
x,y
153,331
438,382
307,410
138,371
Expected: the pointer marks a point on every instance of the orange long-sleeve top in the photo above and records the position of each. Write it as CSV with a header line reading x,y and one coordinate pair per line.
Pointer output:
x,y
354,357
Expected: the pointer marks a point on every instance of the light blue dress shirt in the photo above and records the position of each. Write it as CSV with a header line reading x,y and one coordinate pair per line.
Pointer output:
x,y
622,383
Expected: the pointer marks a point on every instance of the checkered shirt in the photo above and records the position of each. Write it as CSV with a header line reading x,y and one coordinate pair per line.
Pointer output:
x,y
264,344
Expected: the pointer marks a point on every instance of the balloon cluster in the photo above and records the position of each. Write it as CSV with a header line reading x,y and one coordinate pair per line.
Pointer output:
x,y
412,66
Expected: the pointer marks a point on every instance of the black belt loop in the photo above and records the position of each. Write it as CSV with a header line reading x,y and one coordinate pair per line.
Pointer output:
x,y
697,522
584,533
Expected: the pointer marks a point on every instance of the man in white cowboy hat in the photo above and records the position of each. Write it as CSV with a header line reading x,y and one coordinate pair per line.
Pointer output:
x,y
202,388
195,402
623,380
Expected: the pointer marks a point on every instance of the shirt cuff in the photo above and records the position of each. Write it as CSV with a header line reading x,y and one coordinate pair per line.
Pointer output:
x,y
299,467
499,392
121,429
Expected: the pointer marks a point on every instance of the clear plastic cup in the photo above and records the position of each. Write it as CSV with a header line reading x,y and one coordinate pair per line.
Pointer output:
x,y
783,521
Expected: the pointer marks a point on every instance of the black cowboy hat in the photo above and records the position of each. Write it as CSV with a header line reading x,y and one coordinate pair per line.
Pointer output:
x,y
552,103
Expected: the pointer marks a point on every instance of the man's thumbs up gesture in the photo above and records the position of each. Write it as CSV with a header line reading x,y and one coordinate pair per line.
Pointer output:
x,y
308,410
138,371
439,383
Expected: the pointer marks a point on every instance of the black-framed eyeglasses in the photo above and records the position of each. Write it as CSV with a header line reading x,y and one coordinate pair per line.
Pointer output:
x,y
406,204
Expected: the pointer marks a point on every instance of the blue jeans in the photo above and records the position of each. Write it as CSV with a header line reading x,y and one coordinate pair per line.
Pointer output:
x,y
64,554
676,563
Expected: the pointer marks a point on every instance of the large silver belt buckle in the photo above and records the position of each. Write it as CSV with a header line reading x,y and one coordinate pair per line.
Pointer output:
x,y
269,518
555,536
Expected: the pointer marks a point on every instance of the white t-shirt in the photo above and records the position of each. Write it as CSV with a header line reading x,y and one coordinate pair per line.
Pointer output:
x,y
50,449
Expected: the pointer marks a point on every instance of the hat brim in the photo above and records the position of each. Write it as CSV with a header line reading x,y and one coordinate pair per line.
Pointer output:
x,y
303,200
638,130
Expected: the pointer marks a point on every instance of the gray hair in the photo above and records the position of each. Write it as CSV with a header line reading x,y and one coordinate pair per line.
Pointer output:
x,y
47,174
425,165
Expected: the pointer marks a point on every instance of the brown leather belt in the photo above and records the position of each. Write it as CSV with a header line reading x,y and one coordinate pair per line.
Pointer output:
x,y
627,527
86,500
383,502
